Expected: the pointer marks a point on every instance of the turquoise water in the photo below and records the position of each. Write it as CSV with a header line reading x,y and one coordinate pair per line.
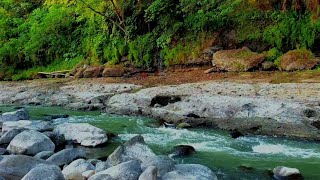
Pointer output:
x,y
215,148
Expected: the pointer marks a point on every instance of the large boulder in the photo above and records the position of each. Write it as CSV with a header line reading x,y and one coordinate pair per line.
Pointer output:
x,y
32,125
82,133
124,171
183,150
44,154
9,135
300,59
190,171
15,167
149,174
66,156
101,166
30,143
113,71
237,60
282,173
47,172
163,164
57,139
75,169
134,149
21,114
93,72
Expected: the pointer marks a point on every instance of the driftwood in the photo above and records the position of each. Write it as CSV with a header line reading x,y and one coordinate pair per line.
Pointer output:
x,y
56,74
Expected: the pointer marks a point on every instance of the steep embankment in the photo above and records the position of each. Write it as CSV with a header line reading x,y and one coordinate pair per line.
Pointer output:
x,y
290,109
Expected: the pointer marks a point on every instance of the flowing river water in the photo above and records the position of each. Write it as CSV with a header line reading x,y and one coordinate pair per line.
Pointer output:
x,y
244,158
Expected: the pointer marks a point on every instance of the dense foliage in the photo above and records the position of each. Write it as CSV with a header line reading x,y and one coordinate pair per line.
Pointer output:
x,y
144,33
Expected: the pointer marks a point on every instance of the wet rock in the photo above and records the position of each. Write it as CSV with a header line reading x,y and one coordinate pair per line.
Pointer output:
x,y
66,156
164,100
44,155
75,169
9,135
283,173
21,114
163,164
236,134
88,174
245,168
93,72
30,142
101,166
190,171
57,139
237,60
183,150
150,173
184,125
297,60
123,171
82,133
15,167
134,149
115,71
47,172
48,117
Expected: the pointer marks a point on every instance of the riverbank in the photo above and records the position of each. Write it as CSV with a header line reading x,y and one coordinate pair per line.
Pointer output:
x,y
250,102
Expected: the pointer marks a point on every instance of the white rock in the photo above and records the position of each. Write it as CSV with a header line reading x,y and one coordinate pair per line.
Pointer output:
x,y
76,168
88,174
9,125
281,172
82,133
30,143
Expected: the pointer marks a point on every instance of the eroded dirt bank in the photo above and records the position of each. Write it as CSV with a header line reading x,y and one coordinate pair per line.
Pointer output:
x,y
248,102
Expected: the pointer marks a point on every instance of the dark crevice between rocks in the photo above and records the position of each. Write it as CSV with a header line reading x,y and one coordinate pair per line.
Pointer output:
x,y
310,113
164,100
316,124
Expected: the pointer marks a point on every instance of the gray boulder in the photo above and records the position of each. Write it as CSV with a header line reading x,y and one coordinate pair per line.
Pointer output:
x,y
88,174
15,167
149,174
9,135
134,149
101,166
66,156
30,143
124,171
9,125
101,177
190,171
47,172
164,164
76,168
21,114
2,151
44,154
57,139
40,126
82,133
283,173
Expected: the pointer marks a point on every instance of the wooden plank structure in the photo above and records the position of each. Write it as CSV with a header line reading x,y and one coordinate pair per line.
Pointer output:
x,y
55,74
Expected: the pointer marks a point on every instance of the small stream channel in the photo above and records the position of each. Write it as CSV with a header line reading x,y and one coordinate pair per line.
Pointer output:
x,y
244,158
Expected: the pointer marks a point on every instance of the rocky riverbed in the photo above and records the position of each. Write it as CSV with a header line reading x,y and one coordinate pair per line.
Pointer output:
x,y
290,110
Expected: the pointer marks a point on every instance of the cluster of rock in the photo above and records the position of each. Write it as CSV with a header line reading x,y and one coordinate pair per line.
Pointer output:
x,y
239,60
34,150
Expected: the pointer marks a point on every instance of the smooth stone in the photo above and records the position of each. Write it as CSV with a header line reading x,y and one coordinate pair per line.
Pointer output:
x,y
44,155
30,143
15,167
163,164
101,177
47,172
82,133
124,171
150,173
9,125
7,137
190,171
283,173
101,166
21,114
134,149
66,156
75,169
88,174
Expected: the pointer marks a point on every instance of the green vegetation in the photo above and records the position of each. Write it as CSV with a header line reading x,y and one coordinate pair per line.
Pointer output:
x,y
45,35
